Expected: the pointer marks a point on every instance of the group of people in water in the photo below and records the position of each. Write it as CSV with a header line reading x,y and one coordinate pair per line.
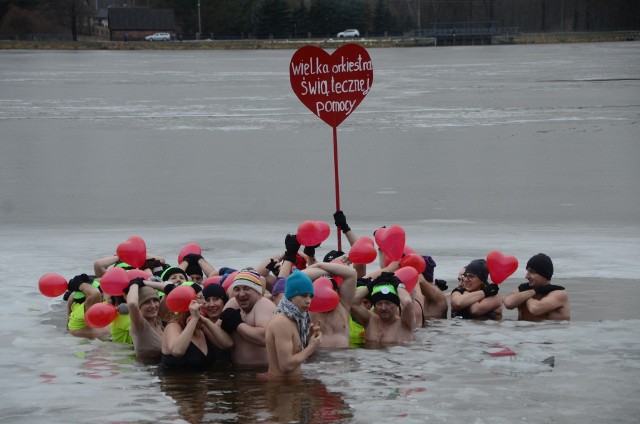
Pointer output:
x,y
262,318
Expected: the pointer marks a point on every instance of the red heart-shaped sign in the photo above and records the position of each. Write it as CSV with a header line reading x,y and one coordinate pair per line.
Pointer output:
x,y
331,85
133,251
325,299
363,251
501,266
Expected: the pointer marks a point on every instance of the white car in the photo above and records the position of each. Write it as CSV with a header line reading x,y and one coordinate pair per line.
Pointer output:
x,y
349,33
158,36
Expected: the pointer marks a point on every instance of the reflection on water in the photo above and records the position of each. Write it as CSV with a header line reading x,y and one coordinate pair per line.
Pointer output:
x,y
242,397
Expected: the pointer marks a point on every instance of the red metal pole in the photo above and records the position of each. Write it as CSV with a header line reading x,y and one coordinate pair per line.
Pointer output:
x,y
337,180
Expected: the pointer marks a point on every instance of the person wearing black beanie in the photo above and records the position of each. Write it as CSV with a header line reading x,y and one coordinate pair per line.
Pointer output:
x,y
538,299
477,298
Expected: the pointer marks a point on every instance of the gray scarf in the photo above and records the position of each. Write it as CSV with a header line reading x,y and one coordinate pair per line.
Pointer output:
x,y
302,319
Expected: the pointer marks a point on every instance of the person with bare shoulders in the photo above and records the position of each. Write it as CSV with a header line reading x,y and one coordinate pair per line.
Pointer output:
x,y
83,292
392,320
245,317
146,326
538,299
191,340
195,266
478,299
290,337
334,324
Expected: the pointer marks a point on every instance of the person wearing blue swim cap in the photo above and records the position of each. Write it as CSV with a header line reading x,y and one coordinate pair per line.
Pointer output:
x,y
290,337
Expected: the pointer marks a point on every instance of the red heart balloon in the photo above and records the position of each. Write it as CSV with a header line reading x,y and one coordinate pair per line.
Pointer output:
x,y
406,251
409,276
501,266
229,280
100,315
133,251
188,249
179,298
325,299
391,241
312,233
331,85
114,281
138,273
52,285
414,260
212,280
363,251
323,230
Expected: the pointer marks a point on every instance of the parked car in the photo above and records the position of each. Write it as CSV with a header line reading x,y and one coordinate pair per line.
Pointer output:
x,y
158,36
349,33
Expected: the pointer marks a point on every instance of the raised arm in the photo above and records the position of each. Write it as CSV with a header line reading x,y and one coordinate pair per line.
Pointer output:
x,y
176,340
406,309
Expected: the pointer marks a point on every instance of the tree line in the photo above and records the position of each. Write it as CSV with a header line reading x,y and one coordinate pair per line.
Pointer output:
x,y
324,18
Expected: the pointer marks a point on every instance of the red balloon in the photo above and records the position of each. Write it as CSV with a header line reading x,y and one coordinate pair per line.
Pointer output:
x,y
323,230
501,266
180,297
363,251
229,280
138,273
325,299
212,280
406,251
133,251
414,260
409,276
312,233
114,281
391,241
100,315
52,285
188,249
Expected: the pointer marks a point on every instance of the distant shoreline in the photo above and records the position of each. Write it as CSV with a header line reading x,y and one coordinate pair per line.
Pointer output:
x,y
258,44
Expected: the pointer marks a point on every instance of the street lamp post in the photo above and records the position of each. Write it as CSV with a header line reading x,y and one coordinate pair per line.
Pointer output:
x,y
199,22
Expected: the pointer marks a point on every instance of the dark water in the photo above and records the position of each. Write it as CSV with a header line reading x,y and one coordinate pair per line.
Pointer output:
x,y
516,148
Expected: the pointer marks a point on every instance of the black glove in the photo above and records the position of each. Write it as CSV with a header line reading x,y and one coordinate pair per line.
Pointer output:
x,y
311,250
547,289
167,288
231,319
341,221
374,233
491,290
273,267
75,282
66,296
192,258
387,278
135,282
441,284
460,290
524,287
292,246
